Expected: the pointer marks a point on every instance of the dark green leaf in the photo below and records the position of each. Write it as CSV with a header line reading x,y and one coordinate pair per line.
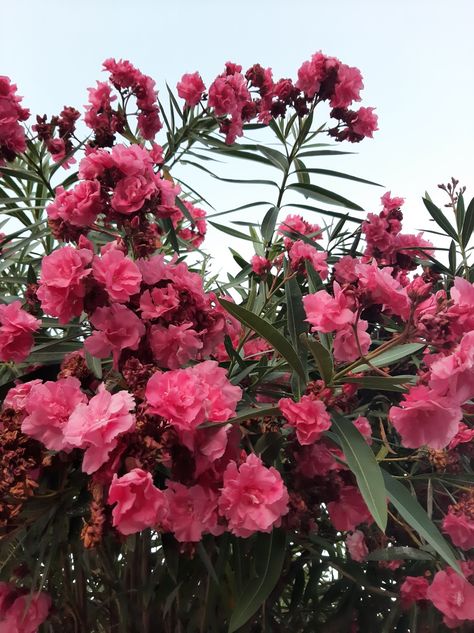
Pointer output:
x,y
276,157
324,195
338,174
468,225
440,219
399,553
460,212
392,355
268,224
230,231
322,357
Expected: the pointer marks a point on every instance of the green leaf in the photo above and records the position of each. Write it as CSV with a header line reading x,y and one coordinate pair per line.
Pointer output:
x,y
22,174
301,172
332,214
268,223
276,157
399,553
322,357
413,513
269,554
460,212
361,460
324,195
338,174
440,219
94,364
392,355
267,331
230,231
468,224
380,383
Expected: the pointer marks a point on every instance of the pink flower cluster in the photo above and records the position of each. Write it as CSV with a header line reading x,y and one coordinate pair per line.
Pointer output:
x,y
21,612
12,135
16,332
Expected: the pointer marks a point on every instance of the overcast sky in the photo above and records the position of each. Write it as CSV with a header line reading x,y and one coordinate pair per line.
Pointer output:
x,y
416,57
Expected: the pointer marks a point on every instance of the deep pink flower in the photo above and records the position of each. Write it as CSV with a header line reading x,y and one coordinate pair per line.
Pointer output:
x,y
327,313
253,497
157,302
389,203
382,288
193,512
16,332
308,416
301,252
94,164
191,88
349,510
22,613
174,346
453,375
118,274
79,206
260,265
295,226
345,269
357,546
318,460
413,589
49,406
366,122
363,426
140,504
62,282
452,595
131,192
460,529
346,348
95,426
424,418
12,134
117,328
348,86
311,73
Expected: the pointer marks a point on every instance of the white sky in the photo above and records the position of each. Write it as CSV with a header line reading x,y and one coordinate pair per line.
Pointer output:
x,y
416,57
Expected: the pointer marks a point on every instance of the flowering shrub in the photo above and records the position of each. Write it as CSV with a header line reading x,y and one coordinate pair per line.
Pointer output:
x,y
288,449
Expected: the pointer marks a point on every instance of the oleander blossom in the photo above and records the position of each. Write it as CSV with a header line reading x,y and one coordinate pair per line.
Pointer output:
x,y
139,503
413,589
356,546
326,313
253,497
191,88
12,134
309,417
192,512
452,595
460,529
96,426
118,274
20,611
16,332
349,511
79,206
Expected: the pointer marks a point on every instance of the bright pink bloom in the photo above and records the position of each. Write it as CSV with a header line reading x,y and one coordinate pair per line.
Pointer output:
x,y
366,122
140,504
191,88
22,613
193,512
253,497
363,426
131,192
301,252
12,134
424,418
117,328
357,546
62,282
188,397
412,245
346,348
452,595
94,163
49,406
382,288
413,589
348,87
327,313
118,273
260,265
308,416
79,206
157,302
295,226
16,332
453,375
349,510
344,269
462,294
460,529
311,73
96,426
16,396
389,203
174,346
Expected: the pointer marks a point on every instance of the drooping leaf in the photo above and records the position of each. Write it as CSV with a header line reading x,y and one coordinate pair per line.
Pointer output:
x,y
268,223
322,357
399,553
324,195
440,219
468,224
392,355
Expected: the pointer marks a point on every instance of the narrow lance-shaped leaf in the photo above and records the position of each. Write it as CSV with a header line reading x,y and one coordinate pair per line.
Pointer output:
x,y
440,219
322,357
361,460
324,195
392,355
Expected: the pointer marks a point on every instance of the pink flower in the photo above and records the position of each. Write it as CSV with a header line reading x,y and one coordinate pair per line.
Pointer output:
x,y
308,416
79,206
188,397
382,288
326,313
22,613
62,282
462,311
118,273
452,595
191,88
301,252
96,426
94,164
363,426
413,589
425,418
318,460
311,73
16,332
348,86
346,348
16,396
260,265
175,345
253,497
344,269
193,512
157,302
453,375
365,123
357,546
12,135
460,529
295,226
118,328
131,192
140,504
49,406
349,510
389,203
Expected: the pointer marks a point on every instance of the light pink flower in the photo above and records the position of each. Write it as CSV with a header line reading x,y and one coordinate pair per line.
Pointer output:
x,y
308,416
363,426
49,406
16,332
453,375
117,328
175,345
382,288
253,497
191,88
12,134
157,302
140,504
118,273
460,529
131,192
357,546
16,396
452,595
95,426
62,282
79,206
193,512
327,313
424,418
349,510
301,252
346,348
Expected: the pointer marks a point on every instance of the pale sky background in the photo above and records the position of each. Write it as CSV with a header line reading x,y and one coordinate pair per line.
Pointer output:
x,y
416,58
